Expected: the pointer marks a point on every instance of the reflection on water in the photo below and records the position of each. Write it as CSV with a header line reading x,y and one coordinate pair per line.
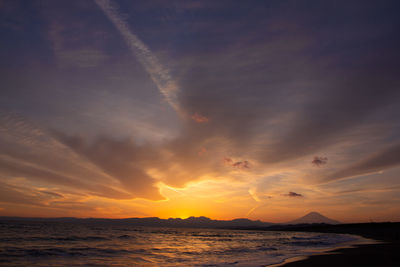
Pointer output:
x,y
118,244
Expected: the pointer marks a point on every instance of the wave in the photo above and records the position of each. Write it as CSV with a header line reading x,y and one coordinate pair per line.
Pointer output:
x,y
56,251
62,238
84,245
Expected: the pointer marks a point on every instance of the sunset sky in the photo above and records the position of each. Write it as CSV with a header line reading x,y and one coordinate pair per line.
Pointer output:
x,y
226,109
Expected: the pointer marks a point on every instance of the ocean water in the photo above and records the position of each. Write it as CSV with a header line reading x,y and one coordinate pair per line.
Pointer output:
x,y
108,244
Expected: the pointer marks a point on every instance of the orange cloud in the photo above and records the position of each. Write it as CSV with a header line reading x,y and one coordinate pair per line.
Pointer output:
x,y
202,151
199,118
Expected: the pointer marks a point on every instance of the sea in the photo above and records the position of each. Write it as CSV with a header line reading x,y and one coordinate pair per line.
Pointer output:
x,y
38,243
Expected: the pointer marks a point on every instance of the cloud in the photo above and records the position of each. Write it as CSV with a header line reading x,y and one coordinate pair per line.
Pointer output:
x,y
202,151
228,161
32,153
121,159
237,164
28,200
53,194
261,87
369,189
339,113
284,115
292,194
241,164
103,166
319,161
73,46
13,168
18,195
199,118
150,62
379,161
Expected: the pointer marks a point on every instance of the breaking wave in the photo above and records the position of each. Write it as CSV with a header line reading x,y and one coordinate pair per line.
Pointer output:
x,y
78,244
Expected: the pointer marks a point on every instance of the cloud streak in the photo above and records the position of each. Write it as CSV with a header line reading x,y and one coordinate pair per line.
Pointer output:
x,y
123,160
385,159
150,62
71,50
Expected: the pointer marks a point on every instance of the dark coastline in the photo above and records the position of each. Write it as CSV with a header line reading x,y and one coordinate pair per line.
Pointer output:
x,y
385,253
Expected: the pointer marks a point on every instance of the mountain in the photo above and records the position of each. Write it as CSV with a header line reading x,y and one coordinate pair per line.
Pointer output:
x,y
313,217
191,222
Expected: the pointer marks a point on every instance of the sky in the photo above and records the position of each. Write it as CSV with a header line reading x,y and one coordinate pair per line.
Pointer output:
x,y
227,109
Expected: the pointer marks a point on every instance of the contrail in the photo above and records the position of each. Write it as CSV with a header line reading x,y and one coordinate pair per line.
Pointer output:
x,y
157,72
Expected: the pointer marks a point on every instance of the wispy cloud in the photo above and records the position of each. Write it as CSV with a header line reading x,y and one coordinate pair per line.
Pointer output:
x,y
29,152
123,160
382,160
150,62
74,50
52,194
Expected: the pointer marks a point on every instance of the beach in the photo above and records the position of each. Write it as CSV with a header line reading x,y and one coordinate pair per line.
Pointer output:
x,y
385,252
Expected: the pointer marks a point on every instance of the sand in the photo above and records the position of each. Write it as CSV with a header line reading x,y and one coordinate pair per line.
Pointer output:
x,y
385,253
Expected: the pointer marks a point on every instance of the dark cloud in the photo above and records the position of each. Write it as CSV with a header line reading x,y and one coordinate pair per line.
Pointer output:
x,y
237,164
324,91
228,161
241,164
343,103
319,161
292,194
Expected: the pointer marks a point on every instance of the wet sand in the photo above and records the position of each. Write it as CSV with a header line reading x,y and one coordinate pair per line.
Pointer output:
x,y
385,253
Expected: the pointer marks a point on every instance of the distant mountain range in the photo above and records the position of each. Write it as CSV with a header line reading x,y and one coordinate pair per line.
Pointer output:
x,y
313,217
191,222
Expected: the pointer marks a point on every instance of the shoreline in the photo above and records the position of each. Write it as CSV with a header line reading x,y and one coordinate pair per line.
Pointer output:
x,y
379,246
345,245
383,254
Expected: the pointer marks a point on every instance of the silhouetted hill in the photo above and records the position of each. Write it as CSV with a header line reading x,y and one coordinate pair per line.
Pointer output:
x,y
313,217
191,222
